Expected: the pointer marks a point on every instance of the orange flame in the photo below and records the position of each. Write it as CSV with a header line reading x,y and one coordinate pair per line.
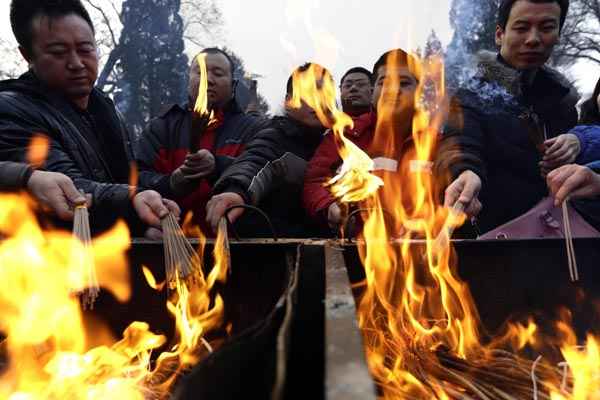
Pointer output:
x,y
414,305
37,151
315,87
46,347
201,105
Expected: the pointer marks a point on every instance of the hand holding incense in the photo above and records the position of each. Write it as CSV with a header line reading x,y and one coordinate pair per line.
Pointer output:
x,y
181,260
83,256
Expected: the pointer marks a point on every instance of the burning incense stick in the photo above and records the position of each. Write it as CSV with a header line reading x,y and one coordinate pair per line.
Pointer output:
x,y
449,226
181,260
223,236
82,255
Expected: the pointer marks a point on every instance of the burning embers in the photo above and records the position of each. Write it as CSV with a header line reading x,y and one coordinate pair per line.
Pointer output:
x,y
48,350
422,332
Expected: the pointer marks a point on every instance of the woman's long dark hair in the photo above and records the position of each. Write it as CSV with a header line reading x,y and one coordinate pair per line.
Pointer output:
x,y
590,115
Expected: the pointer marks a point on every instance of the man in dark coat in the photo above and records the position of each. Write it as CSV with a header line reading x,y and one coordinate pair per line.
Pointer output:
x,y
270,172
495,145
56,99
181,158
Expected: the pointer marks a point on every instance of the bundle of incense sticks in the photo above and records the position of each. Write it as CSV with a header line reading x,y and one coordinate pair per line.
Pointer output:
x,y
83,255
572,261
181,260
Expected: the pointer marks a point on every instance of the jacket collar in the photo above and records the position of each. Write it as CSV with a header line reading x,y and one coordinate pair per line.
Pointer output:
x,y
491,67
363,123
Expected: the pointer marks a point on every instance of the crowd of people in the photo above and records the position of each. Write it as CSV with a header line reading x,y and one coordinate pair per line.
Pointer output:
x,y
512,136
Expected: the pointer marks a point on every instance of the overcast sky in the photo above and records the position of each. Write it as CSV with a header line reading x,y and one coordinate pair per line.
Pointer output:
x,y
274,36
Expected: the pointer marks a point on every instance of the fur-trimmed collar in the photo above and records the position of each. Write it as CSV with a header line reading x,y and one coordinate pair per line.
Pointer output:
x,y
491,68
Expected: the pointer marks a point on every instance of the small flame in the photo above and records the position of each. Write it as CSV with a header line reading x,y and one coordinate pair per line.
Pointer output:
x,y
201,105
134,175
151,280
37,151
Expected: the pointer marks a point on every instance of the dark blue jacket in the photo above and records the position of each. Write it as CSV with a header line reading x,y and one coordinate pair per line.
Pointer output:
x,y
496,128
589,138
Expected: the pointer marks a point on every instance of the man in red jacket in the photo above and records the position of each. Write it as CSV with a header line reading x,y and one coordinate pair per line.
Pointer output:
x,y
382,134
356,91
179,158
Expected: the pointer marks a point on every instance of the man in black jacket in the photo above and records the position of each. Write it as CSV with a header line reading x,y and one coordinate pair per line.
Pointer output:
x,y
56,98
56,193
496,147
270,172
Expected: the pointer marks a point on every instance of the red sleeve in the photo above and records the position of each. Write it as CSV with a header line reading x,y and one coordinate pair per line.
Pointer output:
x,y
316,197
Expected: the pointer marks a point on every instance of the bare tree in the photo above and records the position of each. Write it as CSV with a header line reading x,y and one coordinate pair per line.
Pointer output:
x,y
13,64
580,38
203,22
143,44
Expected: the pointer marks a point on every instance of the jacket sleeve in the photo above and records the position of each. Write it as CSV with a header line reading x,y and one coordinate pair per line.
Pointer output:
x,y
249,130
316,198
16,132
463,142
589,138
251,175
14,176
147,151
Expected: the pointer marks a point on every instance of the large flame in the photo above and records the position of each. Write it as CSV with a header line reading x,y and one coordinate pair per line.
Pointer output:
x,y
47,353
315,87
421,326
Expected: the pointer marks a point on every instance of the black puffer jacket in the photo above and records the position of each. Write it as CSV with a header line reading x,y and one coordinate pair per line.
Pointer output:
x,y
92,147
495,129
270,174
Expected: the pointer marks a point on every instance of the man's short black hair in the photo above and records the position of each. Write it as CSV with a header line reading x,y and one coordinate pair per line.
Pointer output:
x,y
507,5
289,88
23,12
216,50
402,58
357,70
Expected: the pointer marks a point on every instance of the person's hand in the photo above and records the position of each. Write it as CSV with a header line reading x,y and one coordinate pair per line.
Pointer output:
x,y
465,190
57,192
196,166
151,208
334,216
215,208
560,150
573,181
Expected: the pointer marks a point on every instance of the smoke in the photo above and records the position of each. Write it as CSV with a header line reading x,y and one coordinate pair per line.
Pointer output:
x,y
474,24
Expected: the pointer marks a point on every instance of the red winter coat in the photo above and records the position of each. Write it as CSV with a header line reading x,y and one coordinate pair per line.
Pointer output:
x,y
316,197
326,161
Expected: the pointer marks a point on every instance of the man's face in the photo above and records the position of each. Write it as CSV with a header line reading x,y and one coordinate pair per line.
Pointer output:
x,y
356,91
64,56
531,32
220,83
305,114
394,92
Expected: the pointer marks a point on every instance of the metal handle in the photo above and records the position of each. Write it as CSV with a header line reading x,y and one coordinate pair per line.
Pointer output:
x,y
253,208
